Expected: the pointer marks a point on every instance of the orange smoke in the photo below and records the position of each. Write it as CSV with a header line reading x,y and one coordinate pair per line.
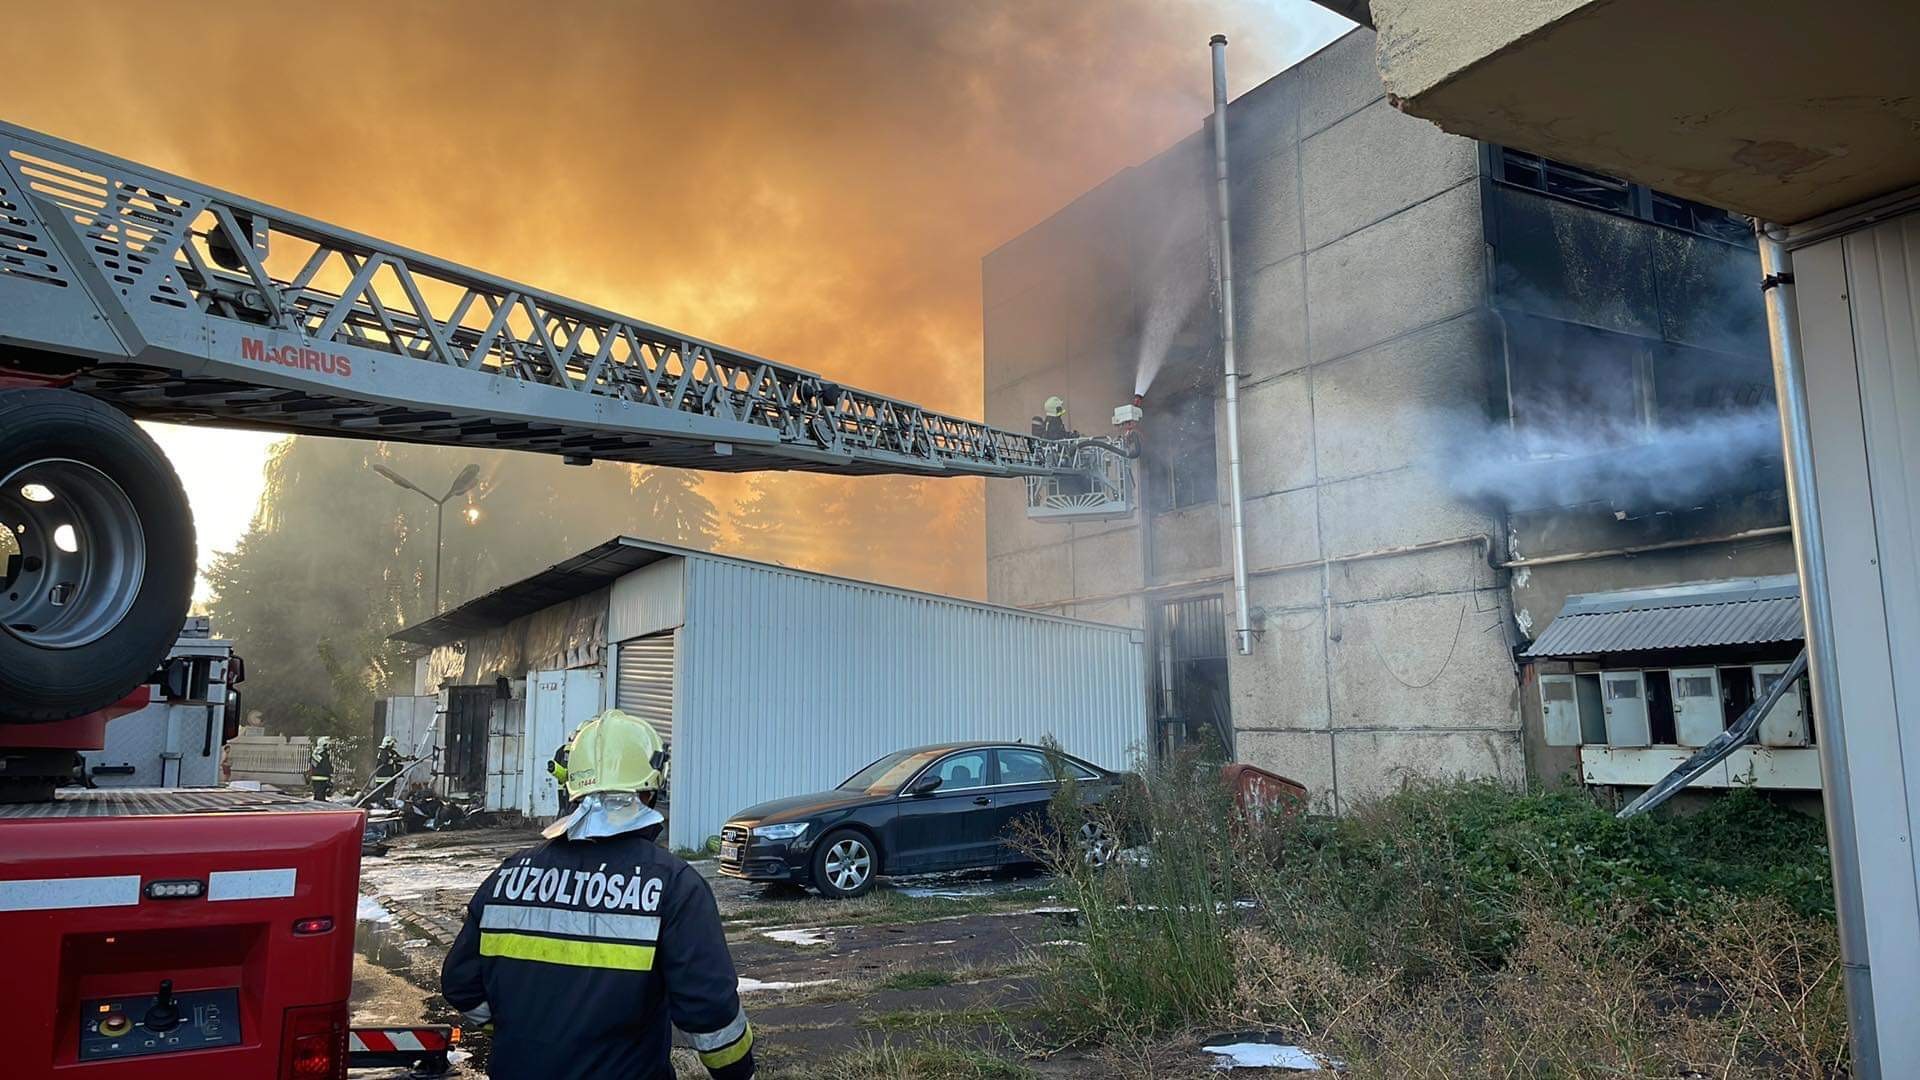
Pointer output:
x,y
812,182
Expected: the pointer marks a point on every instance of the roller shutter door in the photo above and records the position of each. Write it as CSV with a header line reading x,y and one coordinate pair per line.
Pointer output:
x,y
645,687
646,682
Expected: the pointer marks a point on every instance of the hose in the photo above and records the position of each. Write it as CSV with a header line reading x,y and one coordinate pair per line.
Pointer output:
x,y
1128,447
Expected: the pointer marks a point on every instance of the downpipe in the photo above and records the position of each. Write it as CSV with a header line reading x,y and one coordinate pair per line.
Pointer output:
x,y
1242,621
1790,387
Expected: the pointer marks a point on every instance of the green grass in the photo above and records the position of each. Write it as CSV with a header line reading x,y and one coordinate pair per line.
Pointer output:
x,y
917,980
921,1059
1448,911
947,1020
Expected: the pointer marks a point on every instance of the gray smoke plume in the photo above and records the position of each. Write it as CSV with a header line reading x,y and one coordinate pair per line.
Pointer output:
x,y
1570,460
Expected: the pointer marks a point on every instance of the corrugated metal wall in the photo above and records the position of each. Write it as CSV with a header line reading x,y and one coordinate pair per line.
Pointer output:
x,y
647,601
790,682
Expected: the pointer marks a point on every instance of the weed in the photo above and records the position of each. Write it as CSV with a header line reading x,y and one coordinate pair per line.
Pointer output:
x,y
916,980
1462,929
924,1058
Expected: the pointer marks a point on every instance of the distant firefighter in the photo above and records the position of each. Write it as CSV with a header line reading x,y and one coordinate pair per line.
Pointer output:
x,y
1052,424
320,767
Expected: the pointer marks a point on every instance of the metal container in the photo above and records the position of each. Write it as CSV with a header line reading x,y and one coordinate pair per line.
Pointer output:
x,y
788,683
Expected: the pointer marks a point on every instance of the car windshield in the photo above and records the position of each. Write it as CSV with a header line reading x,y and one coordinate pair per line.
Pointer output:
x,y
885,776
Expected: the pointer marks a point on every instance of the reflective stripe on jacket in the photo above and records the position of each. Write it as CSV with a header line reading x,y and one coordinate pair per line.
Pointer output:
x,y
586,954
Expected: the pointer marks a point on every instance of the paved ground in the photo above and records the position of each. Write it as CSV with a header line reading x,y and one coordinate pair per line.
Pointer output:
x,y
819,977
945,961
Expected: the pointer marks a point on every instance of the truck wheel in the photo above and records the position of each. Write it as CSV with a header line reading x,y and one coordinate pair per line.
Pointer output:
x,y
96,555
844,865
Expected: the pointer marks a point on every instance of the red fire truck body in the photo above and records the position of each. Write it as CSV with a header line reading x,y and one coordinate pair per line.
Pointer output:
x,y
168,935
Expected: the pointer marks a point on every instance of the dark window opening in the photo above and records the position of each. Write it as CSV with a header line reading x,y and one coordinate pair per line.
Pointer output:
x,y
1181,462
1661,730
1736,693
1573,389
1567,181
1190,678
468,710
1700,218
1614,195
1593,715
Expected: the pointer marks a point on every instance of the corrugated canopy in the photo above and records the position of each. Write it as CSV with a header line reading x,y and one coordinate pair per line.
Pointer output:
x,y
1743,611
578,576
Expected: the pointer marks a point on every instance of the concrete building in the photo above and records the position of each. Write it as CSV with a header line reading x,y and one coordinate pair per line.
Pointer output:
x,y
1475,382
1803,116
765,682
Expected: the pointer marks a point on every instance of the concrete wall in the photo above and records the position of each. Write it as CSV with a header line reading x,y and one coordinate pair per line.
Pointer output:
x,y
1361,272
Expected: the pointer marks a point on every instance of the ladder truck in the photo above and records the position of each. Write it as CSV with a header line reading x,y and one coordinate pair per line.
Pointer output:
x,y
178,934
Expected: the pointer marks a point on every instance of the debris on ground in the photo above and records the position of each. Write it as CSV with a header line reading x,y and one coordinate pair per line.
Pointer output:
x,y
750,986
1265,1055
803,937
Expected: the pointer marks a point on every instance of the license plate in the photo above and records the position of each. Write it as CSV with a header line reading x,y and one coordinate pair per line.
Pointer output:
x,y
730,852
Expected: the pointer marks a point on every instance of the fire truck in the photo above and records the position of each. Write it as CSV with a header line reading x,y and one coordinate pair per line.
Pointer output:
x,y
199,933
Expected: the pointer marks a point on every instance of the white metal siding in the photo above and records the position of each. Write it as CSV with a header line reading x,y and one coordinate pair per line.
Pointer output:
x,y
790,682
1858,298
647,601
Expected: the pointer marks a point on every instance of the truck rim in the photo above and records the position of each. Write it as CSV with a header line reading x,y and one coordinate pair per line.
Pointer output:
x,y
75,556
848,864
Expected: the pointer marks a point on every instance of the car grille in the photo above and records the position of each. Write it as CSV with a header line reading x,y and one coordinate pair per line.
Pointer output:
x,y
736,835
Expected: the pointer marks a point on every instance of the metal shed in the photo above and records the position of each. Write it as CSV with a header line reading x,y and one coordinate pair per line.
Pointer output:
x,y
770,681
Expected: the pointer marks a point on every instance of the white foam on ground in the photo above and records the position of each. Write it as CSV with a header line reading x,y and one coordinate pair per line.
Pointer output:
x,y
1253,1055
803,937
748,986
369,910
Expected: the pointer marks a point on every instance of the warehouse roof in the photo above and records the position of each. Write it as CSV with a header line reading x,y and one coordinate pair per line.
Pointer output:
x,y
1742,611
597,568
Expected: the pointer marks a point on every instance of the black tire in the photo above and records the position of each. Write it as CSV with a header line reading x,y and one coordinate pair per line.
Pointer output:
x,y
39,683
833,849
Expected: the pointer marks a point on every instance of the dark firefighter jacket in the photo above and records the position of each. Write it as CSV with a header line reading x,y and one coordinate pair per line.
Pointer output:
x,y
585,954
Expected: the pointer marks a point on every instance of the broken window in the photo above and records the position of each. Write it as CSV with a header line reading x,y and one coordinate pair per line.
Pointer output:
x,y
1181,463
1614,195
1700,218
1567,181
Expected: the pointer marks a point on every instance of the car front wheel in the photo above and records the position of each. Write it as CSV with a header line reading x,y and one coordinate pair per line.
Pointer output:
x,y
1097,845
844,865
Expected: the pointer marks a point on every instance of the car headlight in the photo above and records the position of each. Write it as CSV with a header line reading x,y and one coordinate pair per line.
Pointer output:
x,y
789,831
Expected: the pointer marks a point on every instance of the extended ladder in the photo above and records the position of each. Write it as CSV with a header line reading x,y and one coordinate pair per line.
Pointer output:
x,y
175,301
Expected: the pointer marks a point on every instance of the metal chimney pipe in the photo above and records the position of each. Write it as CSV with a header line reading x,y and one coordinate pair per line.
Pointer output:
x,y
1242,624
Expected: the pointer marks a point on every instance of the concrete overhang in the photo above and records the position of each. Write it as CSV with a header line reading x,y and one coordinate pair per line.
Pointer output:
x,y
1782,110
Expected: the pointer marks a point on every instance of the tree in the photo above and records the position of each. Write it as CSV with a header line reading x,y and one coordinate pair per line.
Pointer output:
x,y
337,559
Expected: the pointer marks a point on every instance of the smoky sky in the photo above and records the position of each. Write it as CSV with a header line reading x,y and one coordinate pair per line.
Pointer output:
x,y
814,182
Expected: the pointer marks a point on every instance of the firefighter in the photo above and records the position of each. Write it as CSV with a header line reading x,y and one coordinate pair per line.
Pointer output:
x,y
557,766
386,764
1052,424
585,952
320,767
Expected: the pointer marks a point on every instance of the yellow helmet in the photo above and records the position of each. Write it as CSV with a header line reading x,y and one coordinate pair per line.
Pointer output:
x,y
1056,406
616,751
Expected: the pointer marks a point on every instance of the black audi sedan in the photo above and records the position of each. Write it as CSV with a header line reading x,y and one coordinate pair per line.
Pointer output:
x,y
953,806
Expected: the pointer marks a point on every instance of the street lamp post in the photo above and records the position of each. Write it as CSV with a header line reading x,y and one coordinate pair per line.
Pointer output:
x,y
462,484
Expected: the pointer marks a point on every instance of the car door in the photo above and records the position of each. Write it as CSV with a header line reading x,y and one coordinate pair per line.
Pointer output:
x,y
1026,785
945,828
